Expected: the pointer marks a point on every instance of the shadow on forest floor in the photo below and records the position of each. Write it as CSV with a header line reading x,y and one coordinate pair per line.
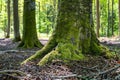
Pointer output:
x,y
97,67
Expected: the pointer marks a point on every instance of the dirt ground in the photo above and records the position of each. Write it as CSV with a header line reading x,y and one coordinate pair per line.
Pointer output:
x,y
96,68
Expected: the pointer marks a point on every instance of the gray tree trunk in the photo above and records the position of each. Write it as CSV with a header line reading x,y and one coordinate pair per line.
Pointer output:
x,y
16,21
8,26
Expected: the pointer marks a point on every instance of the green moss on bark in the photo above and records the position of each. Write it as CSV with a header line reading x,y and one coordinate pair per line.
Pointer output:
x,y
29,39
74,34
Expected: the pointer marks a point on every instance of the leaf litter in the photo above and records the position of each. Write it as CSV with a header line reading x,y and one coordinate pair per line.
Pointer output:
x,y
97,68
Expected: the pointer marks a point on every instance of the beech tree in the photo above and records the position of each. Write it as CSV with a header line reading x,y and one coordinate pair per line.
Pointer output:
x,y
73,36
98,18
16,21
119,15
8,22
29,38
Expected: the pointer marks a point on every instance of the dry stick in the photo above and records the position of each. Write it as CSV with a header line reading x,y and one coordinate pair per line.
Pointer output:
x,y
109,70
15,51
13,71
92,68
72,75
10,77
63,77
101,73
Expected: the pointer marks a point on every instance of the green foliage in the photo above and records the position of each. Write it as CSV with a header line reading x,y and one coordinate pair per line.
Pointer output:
x,y
46,11
3,15
104,17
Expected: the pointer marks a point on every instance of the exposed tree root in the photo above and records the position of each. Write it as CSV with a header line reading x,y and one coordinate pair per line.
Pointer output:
x,y
28,44
41,53
16,39
51,52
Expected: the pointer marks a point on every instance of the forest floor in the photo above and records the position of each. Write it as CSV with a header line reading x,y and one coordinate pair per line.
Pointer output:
x,y
97,67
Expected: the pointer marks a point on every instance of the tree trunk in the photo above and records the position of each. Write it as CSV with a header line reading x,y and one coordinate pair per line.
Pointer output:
x,y
39,18
108,27
112,22
8,26
16,21
73,36
29,39
119,17
98,18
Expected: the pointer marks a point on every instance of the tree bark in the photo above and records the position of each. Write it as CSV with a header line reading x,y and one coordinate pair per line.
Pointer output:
x,y
108,27
112,21
16,21
98,18
39,18
73,36
29,39
119,17
8,26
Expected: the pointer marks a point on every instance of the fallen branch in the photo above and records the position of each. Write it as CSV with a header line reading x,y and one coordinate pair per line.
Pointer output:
x,y
100,73
92,68
109,70
16,51
12,71
63,77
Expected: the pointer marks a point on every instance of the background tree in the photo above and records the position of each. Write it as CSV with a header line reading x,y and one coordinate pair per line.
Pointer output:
x,y
9,14
112,20
119,16
16,21
108,27
46,17
98,18
29,39
74,34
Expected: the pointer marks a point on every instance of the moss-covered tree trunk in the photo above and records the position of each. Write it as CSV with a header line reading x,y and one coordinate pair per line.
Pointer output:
x,y
29,39
74,34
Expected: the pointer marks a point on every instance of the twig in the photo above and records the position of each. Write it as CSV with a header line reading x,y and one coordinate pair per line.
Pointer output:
x,y
92,68
63,77
109,70
16,51
12,71
102,73
9,77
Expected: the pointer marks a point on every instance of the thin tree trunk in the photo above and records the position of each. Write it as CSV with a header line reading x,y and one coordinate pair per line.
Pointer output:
x,y
98,17
5,22
39,19
47,30
8,26
55,14
119,17
16,21
94,10
108,27
112,22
